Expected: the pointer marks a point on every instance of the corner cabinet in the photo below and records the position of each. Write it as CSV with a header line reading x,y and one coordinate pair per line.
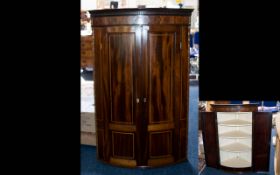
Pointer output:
x,y
141,85
237,139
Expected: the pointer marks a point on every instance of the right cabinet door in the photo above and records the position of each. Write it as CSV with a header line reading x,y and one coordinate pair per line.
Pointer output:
x,y
262,122
166,115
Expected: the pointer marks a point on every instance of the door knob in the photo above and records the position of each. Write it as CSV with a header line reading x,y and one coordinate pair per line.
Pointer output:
x,y
144,100
137,100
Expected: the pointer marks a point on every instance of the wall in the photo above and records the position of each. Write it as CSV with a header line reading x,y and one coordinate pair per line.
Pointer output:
x,y
93,4
195,15
88,4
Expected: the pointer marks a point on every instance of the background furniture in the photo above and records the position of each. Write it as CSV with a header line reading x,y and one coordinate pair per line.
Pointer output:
x,y
141,85
209,104
237,137
87,56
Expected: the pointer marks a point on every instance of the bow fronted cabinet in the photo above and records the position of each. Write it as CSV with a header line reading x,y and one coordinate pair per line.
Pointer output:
x,y
141,85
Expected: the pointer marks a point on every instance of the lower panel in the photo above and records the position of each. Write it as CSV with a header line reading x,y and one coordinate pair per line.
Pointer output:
x,y
161,161
123,145
100,144
183,143
236,170
123,162
160,144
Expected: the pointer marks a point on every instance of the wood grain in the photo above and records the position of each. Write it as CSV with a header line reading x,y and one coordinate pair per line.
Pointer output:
x,y
141,85
262,122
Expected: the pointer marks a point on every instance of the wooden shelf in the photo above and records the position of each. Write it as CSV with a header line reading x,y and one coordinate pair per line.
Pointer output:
x,y
235,134
235,122
236,163
235,147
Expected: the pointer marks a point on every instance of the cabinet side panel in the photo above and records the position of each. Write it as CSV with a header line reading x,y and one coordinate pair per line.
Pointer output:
x,y
209,132
262,122
184,82
101,93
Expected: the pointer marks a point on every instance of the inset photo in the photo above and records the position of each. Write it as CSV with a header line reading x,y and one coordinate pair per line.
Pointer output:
x,y
239,136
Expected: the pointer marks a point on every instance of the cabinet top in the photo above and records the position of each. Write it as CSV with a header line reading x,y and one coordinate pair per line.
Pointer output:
x,y
252,107
140,11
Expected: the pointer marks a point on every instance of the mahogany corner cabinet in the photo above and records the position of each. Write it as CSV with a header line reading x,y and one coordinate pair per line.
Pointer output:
x,y
141,85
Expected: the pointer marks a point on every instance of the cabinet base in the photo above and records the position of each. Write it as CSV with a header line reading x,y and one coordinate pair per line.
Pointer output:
x,y
236,170
125,163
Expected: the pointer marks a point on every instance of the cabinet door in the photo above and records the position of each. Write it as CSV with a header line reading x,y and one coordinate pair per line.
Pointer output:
x,y
117,91
262,122
166,121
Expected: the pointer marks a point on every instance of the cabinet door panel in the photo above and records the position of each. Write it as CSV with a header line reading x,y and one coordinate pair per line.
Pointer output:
x,y
161,54
121,62
120,46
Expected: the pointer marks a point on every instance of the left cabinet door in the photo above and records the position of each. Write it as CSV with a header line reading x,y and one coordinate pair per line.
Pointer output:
x,y
118,91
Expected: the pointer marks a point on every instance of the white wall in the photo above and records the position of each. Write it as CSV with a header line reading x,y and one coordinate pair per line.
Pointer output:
x,y
91,4
194,19
88,4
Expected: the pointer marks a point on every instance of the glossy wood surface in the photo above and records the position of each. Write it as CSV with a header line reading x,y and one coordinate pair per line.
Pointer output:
x,y
210,138
262,122
162,55
252,107
147,16
116,91
87,55
141,85
172,12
